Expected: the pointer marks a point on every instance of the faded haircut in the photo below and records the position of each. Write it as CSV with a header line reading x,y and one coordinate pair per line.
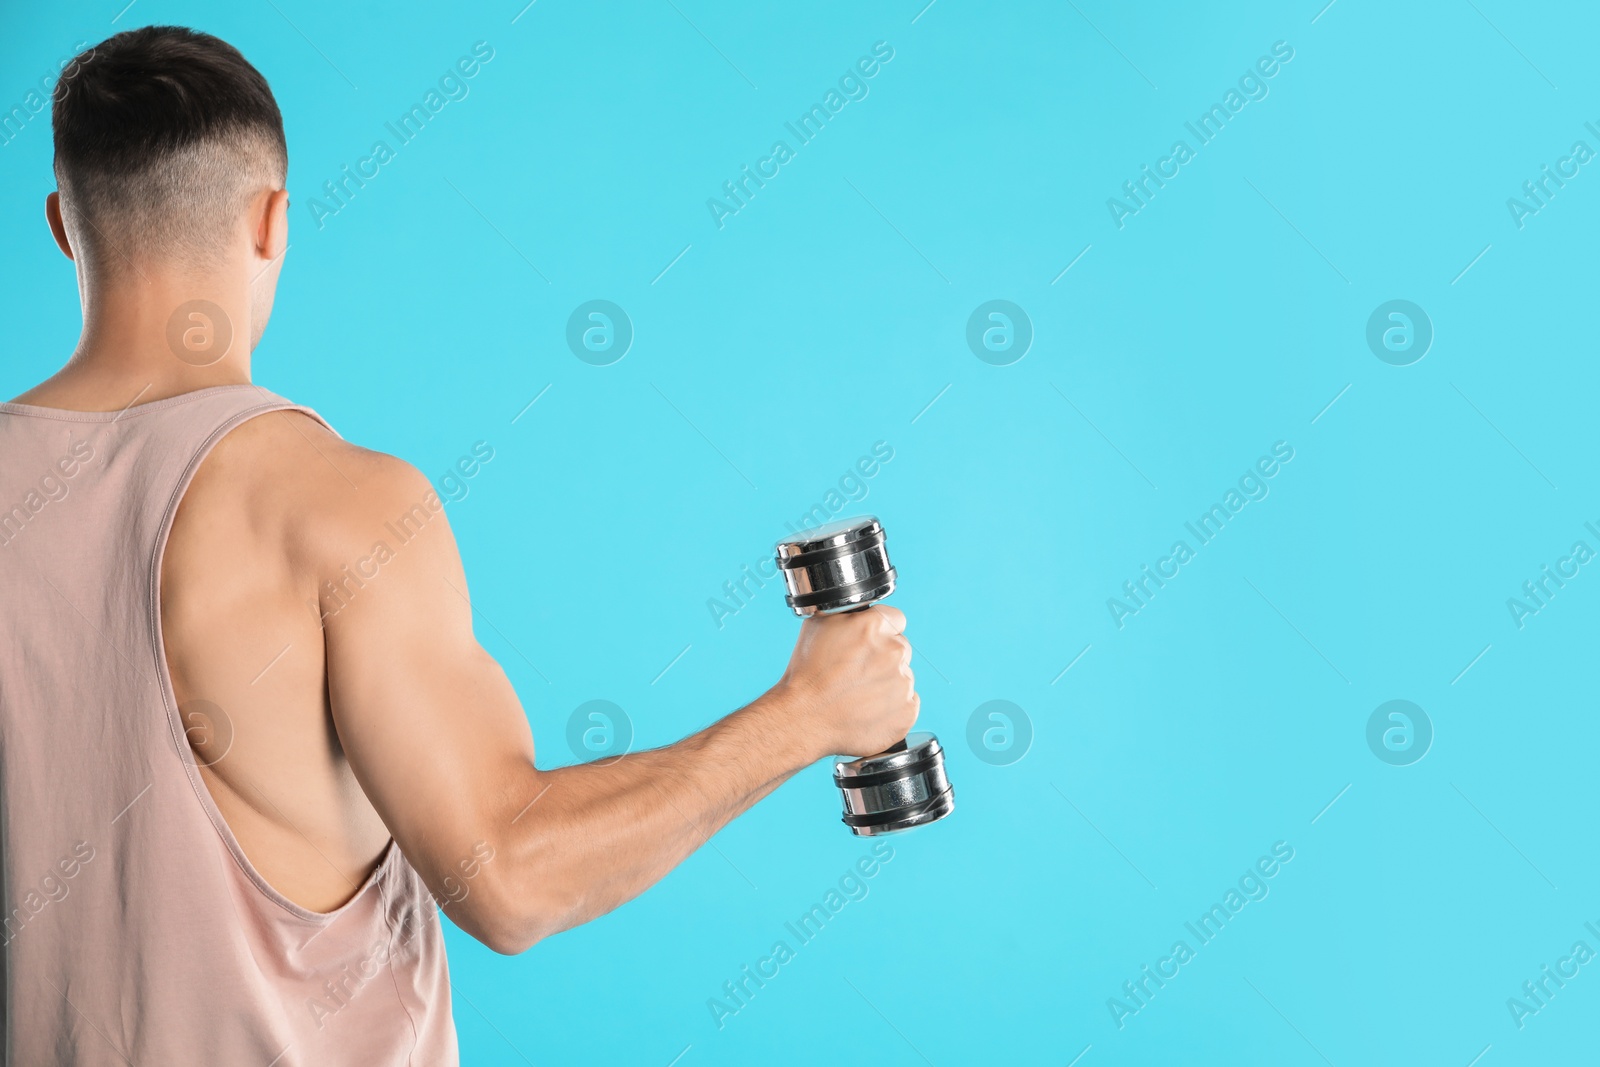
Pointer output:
x,y
162,137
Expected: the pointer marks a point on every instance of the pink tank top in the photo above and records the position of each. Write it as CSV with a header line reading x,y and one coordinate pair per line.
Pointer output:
x,y
135,930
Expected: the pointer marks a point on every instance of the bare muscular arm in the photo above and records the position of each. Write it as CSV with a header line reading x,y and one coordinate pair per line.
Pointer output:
x,y
440,744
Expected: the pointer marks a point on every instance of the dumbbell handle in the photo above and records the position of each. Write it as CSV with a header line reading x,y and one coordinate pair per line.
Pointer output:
x,y
900,745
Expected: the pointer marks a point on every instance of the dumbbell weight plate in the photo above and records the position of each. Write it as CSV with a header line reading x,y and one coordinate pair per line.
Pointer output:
x,y
895,790
838,567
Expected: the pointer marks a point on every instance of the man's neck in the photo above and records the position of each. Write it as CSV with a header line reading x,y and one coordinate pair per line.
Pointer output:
x,y
151,338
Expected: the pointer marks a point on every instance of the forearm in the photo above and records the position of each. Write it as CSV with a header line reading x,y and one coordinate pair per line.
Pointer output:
x,y
594,836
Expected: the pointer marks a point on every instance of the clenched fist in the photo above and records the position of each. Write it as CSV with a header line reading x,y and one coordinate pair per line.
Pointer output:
x,y
850,679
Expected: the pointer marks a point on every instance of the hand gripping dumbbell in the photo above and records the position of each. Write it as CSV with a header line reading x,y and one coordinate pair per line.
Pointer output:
x,y
841,567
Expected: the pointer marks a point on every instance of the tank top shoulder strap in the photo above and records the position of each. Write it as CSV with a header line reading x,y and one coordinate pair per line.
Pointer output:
x,y
192,423
187,427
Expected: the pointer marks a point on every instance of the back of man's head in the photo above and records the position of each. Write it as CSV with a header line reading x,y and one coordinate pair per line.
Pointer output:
x,y
162,137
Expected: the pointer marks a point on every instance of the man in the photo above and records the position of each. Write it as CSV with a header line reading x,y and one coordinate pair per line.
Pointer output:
x,y
227,816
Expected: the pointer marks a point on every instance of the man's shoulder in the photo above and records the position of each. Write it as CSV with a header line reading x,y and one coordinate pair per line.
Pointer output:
x,y
327,496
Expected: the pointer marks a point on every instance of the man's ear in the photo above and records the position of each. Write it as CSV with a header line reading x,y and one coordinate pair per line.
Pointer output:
x,y
52,213
272,230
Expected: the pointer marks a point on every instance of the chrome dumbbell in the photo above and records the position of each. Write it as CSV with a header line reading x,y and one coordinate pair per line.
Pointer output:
x,y
841,567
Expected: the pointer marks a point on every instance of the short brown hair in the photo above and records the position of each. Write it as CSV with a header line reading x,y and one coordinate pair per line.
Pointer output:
x,y
162,135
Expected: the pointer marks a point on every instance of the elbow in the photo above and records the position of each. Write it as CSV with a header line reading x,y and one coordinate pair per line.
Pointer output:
x,y
508,928
510,919
538,885
511,939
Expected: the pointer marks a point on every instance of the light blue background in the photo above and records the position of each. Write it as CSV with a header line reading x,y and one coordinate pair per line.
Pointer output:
x,y
824,317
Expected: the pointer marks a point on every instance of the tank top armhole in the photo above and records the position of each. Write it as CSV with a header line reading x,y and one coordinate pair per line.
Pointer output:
x,y
164,677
